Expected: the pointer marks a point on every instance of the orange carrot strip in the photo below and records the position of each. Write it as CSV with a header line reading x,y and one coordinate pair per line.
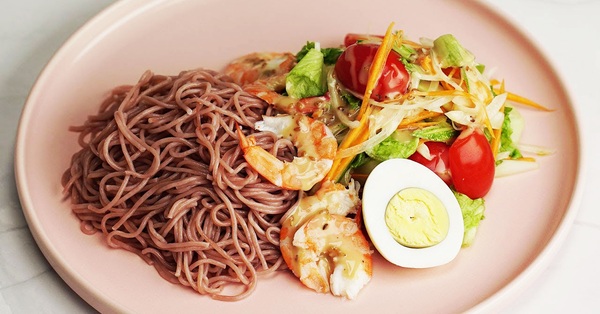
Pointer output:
x,y
496,141
427,65
446,85
525,159
420,117
343,163
412,44
361,133
356,135
517,98
377,67
452,72
502,87
525,101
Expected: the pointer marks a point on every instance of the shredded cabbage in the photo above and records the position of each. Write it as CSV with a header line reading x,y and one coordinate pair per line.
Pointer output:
x,y
510,167
382,124
337,101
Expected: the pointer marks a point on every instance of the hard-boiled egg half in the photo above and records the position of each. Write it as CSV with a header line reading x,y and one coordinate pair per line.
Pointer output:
x,y
411,215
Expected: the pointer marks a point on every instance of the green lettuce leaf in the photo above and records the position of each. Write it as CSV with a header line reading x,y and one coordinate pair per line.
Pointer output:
x,y
359,160
506,140
401,144
330,55
441,132
352,101
451,53
307,78
473,213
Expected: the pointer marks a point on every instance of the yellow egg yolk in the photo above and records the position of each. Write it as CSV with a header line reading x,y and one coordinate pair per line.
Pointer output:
x,y
416,218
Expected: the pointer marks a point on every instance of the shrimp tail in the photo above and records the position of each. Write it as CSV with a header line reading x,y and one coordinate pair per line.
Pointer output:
x,y
264,163
316,149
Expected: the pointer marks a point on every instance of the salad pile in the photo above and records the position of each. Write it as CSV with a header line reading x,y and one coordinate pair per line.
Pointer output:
x,y
375,106
429,101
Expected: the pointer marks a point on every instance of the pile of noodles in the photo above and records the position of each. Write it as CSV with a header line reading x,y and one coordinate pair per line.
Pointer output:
x,y
160,173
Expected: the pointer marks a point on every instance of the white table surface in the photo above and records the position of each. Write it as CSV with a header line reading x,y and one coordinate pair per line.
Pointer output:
x,y
569,30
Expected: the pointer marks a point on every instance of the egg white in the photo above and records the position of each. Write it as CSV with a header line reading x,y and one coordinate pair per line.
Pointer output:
x,y
387,179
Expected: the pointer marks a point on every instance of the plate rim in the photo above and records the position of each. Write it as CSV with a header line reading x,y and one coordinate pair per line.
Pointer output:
x,y
97,299
540,263
82,287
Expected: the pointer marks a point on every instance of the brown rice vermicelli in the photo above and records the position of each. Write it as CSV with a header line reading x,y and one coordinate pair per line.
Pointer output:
x,y
160,173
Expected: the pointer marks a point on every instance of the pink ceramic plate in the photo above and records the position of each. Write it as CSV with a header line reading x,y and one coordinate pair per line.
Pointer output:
x,y
527,215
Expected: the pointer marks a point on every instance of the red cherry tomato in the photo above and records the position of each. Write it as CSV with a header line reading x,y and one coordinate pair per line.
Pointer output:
x,y
472,164
352,71
352,38
438,163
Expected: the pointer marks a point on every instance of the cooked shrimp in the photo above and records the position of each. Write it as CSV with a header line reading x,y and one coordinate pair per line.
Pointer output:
x,y
314,141
259,65
263,75
325,249
270,89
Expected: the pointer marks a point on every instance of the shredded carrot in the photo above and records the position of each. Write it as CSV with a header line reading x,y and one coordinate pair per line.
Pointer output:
x,y
495,144
412,44
464,83
425,114
452,72
361,133
488,124
354,135
446,85
453,92
343,163
427,65
497,134
525,101
377,67
398,99
525,159
517,98
489,94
